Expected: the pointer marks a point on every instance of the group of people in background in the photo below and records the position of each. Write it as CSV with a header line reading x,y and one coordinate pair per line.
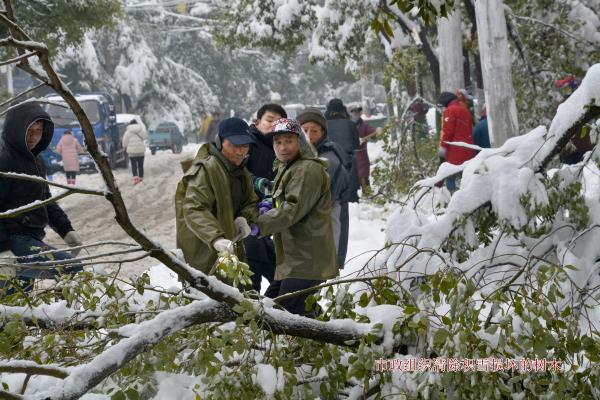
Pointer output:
x,y
276,194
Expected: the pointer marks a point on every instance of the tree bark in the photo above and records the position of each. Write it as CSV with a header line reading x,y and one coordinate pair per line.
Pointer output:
x,y
496,68
450,51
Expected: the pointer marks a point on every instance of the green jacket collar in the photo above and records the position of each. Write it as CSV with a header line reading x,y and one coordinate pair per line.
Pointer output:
x,y
232,169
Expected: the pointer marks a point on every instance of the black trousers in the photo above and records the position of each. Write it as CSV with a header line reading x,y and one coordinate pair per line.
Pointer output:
x,y
344,232
261,259
71,174
295,305
137,166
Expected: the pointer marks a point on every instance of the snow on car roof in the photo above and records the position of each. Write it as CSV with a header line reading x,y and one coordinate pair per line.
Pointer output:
x,y
126,118
81,97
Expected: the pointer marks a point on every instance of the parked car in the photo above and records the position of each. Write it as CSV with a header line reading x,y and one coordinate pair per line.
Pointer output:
x,y
166,136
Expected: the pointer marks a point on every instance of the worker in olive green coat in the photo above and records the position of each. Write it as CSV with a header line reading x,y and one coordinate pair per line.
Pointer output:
x,y
300,220
215,200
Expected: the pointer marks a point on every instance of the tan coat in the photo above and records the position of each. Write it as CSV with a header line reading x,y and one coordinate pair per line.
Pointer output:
x,y
69,149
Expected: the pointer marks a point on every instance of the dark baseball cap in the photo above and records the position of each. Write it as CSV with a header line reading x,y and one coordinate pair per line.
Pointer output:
x,y
236,130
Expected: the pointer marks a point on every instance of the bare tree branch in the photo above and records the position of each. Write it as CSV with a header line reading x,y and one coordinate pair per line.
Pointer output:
x,y
18,58
32,368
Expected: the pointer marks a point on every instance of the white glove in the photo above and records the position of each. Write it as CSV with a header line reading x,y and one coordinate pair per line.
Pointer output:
x,y
242,229
442,152
225,245
73,240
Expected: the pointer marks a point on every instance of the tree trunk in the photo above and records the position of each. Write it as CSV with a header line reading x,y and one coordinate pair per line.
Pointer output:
x,y
450,51
496,68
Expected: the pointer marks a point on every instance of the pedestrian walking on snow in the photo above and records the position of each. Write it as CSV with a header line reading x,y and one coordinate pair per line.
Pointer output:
x,y
69,149
134,143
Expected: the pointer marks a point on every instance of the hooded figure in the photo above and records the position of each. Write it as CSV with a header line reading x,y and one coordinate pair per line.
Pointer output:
x,y
300,221
19,153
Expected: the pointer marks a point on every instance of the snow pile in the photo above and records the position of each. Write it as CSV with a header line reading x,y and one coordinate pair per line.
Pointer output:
x,y
269,379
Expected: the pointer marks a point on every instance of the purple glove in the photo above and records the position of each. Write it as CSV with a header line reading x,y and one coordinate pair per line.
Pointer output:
x,y
264,206
254,230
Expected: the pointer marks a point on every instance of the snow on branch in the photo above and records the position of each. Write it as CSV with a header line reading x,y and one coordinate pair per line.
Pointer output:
x,y
140,338
53,315
33,205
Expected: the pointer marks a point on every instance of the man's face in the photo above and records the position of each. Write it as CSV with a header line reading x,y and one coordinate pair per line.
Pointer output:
x,y
314,132
355,113
264,123
235,153
286,146
34,134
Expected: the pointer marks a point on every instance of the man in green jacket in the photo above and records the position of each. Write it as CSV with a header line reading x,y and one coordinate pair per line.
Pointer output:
x,y
215,198
300,220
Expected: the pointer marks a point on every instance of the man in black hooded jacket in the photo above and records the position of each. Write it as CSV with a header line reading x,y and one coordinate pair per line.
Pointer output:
x,y
28,131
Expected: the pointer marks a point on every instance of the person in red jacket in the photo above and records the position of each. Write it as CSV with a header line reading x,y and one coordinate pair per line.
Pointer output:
x,y
457,126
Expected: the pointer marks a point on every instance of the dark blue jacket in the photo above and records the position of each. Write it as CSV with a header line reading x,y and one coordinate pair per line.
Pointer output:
x,y
339,165
345,133
481,136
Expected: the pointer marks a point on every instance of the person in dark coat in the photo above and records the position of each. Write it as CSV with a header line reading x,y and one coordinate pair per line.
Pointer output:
x,y
481,135
261,252
365,132
314,126
27,131
341,130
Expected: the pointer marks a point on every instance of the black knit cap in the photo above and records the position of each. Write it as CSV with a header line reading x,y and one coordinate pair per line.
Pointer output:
x,y
336,105
445,98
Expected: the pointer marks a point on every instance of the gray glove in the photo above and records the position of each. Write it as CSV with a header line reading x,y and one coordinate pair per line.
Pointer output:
x,y
242,229
222,244
73,240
